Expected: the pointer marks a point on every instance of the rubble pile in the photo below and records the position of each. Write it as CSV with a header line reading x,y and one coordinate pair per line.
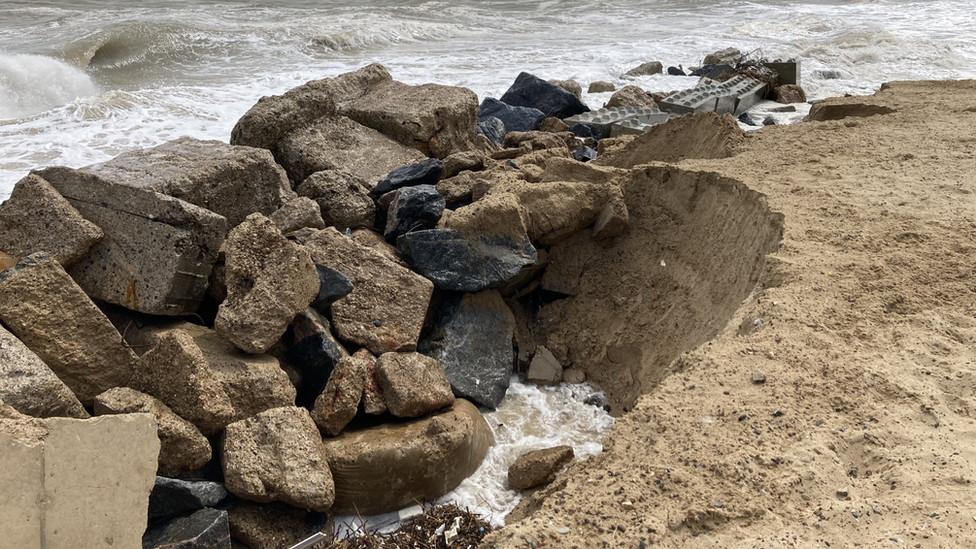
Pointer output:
x,y
314,312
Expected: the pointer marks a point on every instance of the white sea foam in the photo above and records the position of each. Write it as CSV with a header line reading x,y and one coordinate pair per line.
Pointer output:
x,y
31,84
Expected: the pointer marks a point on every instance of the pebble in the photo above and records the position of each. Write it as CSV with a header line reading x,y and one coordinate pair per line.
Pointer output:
x,y
842,492
627,505
758,376
562,530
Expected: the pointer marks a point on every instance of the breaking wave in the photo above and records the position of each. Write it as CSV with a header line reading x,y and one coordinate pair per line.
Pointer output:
x,y
31,84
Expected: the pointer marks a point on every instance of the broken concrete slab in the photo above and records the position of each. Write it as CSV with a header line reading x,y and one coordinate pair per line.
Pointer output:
x,y
157,252
47,311
605,118
29,385
343,198
412,384
36,218
297,214
544,368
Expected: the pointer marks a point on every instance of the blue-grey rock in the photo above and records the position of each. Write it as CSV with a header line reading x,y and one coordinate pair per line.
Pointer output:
x,y
413,209
472,341
425,172
205,529
584,130
171,497
453,262
493,128
675,71
585,154
746,119
333,285
532,91
515,118
314,352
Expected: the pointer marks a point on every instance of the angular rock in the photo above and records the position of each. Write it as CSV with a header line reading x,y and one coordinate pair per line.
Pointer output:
x,y
583,130
389,466
539,467
269,281
343,198
297,214
585,154
472,341
426,172
412,384
492,128
332,286
728,55
29,385
516,118
273,117
614,219
631,96
276,525
182,448
176,372
76,483
544,368
557,210
601,86
171,497
339,143
553,125
789,93
157,251
459,162
314,352
54,318
532,91
337,404
574,375
437,120
386,308
413,209
373,401
571,86
645,69
204,529
226,179
278,455
36,218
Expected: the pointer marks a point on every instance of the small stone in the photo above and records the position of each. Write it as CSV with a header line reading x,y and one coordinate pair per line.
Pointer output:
x,y
842,493
627,505
758,376
778,413
562,530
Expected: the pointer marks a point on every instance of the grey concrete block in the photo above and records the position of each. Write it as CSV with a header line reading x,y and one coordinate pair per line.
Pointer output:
x,y
605,118
789,71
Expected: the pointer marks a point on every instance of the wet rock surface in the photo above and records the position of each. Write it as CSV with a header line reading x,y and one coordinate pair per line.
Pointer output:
x,y
539,467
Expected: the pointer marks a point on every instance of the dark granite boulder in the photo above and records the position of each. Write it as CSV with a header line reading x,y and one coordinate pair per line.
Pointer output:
x,y
515,118
532,91
492,128
585,154
171,497
205,529
332,286
413,209
425,172
314,352
453,262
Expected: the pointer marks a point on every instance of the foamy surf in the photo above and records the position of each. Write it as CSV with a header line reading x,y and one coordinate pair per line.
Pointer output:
x,y
31,84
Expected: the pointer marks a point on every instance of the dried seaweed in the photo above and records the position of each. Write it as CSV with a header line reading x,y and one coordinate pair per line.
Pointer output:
x,y
425,531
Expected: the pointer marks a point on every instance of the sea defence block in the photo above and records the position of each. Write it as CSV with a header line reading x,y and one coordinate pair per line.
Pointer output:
x,y
637,126
789,71
733,96
157,252
605,118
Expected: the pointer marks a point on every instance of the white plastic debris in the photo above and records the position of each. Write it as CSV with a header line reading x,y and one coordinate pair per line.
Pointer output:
x,y
451,533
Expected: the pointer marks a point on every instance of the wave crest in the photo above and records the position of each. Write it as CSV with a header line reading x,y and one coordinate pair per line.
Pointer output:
x,y
31,84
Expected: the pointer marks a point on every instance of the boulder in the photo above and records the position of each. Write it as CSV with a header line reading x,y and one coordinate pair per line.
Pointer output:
x,y
176,372
343,198
339,143
553,125
314,352
646,69
492,128
631,96
204,529
472,341
537,140
278,455
332,286
413,209
571,86
29,385
373,401
425,172
436,120
337,404
268,121
556,210
53,317
297,214
729,56
375,241
532,91
157,251
269,281
389,466
276,525
181,446
412,384
539,467
171,497
76,482
515,118
544,368
226,179
584,130
386,308
36,218
461,161
787,93
601,86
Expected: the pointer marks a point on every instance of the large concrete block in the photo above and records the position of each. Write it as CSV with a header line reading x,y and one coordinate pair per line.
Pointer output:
x,y
77,483
157,252
29,385
46,310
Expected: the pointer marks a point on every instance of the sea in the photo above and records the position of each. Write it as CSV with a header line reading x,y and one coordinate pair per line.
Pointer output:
x,y
84,80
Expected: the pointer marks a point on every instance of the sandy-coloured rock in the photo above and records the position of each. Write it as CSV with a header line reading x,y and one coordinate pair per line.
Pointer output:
x,y
182,448
601,86
36,218
386,308
373,401
29,385
544,368
157,251
645,69
276,525
337,404
631,96
269,280
571,86
343,198
297,214
461,161
412,384
539,467
390,466
47,311
278,455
